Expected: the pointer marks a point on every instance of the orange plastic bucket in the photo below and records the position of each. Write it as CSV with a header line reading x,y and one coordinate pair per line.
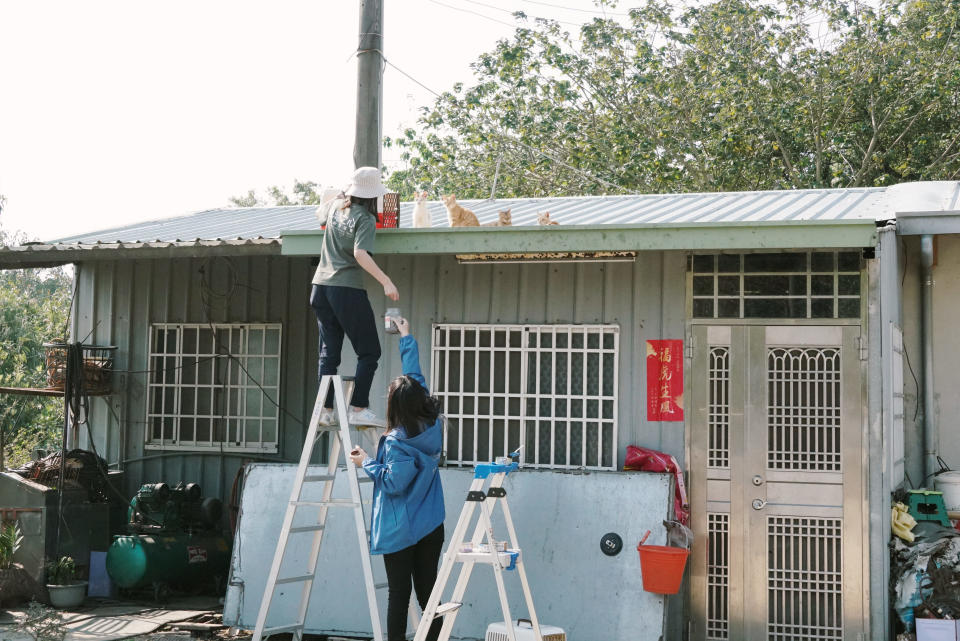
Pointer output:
x,y
662,567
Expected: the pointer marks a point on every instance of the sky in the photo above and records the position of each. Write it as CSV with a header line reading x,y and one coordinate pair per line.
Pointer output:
x,y
113,111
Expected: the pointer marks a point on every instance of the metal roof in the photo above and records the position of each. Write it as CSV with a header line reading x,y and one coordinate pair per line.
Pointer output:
x,y
758,207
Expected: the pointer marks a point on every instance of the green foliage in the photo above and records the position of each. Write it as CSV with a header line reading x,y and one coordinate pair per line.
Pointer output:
x,y
10,540
34,308
304,193
731,95
62,571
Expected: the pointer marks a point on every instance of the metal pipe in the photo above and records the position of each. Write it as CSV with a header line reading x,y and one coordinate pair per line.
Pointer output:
x,y
926,338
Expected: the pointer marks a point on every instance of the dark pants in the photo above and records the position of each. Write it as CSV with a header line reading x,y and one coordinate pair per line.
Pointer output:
x,y
346,310
420,562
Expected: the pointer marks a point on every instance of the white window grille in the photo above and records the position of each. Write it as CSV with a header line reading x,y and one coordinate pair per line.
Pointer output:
x,y
551,388
214,386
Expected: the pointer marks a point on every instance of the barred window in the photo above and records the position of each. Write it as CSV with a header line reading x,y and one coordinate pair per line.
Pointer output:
x,y
214,387
815,284
550,389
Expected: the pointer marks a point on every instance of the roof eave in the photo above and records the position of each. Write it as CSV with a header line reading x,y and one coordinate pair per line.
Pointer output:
x,y
589,238
43,255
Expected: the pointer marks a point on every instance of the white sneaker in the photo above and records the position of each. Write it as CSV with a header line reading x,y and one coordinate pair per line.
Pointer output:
x,y
327,417
365,417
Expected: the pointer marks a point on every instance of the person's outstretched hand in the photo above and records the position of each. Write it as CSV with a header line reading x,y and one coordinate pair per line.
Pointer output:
x,y
403,325
390,291
358,456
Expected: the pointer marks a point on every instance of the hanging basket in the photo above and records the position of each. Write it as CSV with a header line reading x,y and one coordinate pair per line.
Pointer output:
x,y
97,367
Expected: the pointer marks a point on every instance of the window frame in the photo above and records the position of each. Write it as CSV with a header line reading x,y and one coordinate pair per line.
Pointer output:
x,y
236,382
808,297
455,454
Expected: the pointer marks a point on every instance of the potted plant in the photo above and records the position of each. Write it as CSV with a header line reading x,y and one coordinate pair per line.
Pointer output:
x,y
64,588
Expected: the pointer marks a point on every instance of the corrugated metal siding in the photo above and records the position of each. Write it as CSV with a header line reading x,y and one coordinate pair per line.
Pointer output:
x,y
810,205
117,302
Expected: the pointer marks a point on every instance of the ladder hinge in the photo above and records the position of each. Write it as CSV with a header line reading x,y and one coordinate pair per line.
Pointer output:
x,y
496,492
475,496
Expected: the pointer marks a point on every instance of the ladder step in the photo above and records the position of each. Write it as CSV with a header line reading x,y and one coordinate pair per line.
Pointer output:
x,y
316,478
282,628
379,586
446,608
306,528
295,579
328,503
364,478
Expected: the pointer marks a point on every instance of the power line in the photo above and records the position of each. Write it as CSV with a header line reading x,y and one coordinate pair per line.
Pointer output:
x,y
513,12
504,137
476,13
593,11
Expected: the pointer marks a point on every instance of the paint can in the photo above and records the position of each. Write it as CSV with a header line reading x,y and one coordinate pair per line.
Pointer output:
x,y
388,325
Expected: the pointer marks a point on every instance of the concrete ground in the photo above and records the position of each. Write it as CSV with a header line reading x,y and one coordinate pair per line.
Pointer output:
x,y
111,620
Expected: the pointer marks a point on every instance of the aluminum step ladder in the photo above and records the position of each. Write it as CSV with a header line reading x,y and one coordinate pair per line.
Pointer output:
x,y
482,548
340,443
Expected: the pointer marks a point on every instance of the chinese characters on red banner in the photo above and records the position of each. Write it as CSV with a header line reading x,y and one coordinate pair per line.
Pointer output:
x,y
665,380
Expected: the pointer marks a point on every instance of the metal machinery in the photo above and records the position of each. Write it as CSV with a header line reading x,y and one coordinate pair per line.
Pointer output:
x,y
174,540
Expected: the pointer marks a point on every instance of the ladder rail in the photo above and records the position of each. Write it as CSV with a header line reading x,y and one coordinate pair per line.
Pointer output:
x,y
527,595
359,519
482,530
339,443
463,579
284,535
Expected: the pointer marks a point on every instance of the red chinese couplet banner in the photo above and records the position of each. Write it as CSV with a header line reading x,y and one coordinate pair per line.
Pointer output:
x,y
665,380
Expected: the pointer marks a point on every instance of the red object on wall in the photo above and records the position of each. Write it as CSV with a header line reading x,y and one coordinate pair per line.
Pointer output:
x,y
665,380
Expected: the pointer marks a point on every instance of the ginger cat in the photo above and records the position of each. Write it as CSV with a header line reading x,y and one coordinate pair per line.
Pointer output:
x,y
421,216
544,219
504,220
458,215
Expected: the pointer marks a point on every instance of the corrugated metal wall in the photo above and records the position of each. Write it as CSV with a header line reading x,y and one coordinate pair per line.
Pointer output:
x,y
118,301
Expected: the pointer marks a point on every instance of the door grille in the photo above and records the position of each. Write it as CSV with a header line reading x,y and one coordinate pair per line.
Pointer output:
x,y
718,572
804,586
803,409
718,454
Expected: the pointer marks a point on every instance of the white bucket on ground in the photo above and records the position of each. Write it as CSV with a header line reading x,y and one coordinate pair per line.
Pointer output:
x,y
949,484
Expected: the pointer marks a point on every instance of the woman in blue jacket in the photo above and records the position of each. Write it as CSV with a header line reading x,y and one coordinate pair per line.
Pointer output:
x,y
407,522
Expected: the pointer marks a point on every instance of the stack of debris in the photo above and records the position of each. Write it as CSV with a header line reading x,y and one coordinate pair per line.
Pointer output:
x,y
82,469
925,563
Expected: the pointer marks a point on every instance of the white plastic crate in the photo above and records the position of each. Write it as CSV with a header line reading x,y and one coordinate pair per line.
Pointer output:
x,y
523,631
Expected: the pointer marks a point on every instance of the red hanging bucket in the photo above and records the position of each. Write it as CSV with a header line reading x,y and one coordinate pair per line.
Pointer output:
x,y
661,567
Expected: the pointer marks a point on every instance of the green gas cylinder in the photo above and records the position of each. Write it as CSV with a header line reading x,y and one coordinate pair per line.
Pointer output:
x,y
173,558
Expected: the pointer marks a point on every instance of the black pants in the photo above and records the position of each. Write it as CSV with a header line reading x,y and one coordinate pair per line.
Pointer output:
x,y
418,561
346,310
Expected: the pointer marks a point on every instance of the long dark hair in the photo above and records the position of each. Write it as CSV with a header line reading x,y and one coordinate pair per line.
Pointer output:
x,y
370,204
410,405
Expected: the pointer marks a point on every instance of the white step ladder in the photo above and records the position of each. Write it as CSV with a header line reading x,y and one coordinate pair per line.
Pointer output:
x,y
481,549
340,443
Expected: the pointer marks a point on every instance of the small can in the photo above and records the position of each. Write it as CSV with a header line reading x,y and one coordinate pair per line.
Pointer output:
x,y
388,325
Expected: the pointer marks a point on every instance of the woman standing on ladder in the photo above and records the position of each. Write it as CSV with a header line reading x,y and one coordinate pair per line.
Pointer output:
x,y
406,526
338,296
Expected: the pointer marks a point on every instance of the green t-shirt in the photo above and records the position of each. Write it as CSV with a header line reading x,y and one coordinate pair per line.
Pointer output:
x,y
353,228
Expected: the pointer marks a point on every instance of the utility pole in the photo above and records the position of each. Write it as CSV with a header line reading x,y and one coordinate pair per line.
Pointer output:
x,y
366,148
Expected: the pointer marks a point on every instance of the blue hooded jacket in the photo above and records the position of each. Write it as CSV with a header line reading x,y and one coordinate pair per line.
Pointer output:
x,y
407,496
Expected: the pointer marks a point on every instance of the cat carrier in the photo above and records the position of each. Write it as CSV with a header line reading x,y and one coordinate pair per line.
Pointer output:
x,y
523,631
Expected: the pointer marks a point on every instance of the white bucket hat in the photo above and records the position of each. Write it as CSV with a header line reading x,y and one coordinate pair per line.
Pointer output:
x,y
365,183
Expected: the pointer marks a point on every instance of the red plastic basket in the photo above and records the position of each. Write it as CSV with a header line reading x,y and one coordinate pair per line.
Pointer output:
x,y
390,216
662,567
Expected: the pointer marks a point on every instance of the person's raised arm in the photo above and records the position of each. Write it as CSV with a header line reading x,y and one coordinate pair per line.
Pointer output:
x,y
409,352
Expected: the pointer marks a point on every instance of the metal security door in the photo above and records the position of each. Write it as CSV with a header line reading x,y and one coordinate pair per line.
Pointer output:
x,y
776,466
